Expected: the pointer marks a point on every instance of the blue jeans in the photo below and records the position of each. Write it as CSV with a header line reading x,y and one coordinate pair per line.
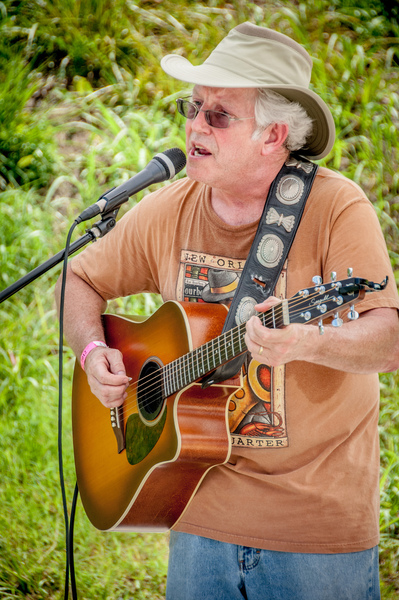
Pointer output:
x,y
204,569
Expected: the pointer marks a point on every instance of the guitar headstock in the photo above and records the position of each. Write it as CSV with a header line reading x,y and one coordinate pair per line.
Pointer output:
x,y
325,299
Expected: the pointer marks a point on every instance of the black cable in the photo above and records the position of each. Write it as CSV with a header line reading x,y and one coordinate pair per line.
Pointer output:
x,y
70,545
60,377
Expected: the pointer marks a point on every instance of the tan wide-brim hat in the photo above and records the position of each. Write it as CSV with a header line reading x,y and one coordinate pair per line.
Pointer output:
x,y
257,57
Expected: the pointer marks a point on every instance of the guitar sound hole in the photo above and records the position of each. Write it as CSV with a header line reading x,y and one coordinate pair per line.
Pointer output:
x,y
149,392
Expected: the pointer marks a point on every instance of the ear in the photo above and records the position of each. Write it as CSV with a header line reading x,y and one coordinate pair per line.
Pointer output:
x,y
274,137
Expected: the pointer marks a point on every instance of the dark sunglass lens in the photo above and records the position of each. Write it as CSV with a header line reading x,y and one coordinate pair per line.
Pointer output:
x,y
214,118
187,109
218,119
190,110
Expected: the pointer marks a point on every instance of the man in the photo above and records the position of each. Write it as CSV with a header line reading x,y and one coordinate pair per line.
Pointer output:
x,y
294,512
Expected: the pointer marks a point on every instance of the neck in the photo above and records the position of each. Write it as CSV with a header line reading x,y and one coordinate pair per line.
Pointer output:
x,y
245,205
235,210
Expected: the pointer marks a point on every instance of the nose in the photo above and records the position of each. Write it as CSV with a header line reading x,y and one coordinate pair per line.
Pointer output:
x,y
199,124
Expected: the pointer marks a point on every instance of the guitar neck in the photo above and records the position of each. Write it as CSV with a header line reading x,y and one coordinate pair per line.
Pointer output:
x,y
208,357
308,305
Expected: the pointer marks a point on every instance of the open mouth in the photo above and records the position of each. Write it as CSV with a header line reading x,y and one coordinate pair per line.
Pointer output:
x,y
199,151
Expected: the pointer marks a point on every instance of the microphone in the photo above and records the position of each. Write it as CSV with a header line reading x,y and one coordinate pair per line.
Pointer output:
x,y
162,167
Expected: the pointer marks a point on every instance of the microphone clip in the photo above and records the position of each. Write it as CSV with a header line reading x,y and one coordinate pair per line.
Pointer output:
x,y
104,226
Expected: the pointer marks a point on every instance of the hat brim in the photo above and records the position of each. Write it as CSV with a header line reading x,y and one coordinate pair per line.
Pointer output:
x,y
322,139
209,296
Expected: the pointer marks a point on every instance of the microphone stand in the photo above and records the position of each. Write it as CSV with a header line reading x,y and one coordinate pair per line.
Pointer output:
x,y
99,229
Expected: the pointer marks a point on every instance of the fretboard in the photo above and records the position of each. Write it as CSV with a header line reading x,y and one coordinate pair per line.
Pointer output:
x,y
308,305
206,358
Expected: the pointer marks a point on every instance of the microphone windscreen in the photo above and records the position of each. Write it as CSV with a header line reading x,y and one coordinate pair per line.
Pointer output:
x,y
173,161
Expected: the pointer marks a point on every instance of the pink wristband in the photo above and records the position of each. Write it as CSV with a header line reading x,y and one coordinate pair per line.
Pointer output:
x,y
88,349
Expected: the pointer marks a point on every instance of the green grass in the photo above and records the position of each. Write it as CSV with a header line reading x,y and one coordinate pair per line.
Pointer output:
x,y
84,105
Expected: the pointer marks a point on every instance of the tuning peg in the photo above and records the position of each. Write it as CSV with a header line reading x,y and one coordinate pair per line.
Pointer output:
x,y
318,281
353,315
334,283
321,326
337,321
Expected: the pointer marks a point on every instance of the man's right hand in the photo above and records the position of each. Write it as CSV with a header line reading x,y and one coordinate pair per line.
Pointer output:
x,y
106,375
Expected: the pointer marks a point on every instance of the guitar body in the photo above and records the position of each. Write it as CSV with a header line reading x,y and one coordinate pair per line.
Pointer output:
x,y
169,447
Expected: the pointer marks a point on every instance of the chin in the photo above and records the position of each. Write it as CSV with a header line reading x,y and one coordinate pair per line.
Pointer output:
x,y
199,175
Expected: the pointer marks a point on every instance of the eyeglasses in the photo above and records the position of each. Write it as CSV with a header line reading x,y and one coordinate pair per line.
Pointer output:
x,y
214,118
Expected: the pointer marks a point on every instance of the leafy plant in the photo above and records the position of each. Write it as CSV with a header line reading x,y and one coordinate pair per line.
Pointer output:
x,y
26,146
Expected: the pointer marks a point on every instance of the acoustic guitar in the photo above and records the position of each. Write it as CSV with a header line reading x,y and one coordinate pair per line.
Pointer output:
x,y
139,465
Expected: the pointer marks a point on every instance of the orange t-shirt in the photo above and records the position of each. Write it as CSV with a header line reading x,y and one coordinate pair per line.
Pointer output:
x,y
304,468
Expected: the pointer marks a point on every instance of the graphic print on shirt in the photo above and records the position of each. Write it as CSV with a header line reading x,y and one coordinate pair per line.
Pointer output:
x,y
257,415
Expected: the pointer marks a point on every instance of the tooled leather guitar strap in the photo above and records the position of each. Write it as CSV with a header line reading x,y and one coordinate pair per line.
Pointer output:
x,y
276,231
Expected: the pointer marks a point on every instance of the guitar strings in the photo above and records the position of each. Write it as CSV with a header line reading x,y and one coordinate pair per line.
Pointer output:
x,y
153,381
155,378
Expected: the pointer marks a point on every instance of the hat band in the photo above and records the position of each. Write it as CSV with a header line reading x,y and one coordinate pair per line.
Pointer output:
x,y
226,288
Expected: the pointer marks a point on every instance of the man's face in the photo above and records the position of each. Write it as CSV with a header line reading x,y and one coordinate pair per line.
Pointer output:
x,y
222,158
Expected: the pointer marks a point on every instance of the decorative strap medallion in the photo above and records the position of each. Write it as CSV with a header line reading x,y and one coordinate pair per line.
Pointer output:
x,y
274,217
306,166
245,310
270,250
290,189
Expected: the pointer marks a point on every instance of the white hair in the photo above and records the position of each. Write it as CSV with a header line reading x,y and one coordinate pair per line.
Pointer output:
x,y
271,107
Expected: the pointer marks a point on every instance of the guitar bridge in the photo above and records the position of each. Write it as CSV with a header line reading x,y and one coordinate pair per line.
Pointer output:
x,y
118,427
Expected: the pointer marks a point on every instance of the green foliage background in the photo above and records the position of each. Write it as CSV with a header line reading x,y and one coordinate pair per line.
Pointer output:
x,y
83,106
